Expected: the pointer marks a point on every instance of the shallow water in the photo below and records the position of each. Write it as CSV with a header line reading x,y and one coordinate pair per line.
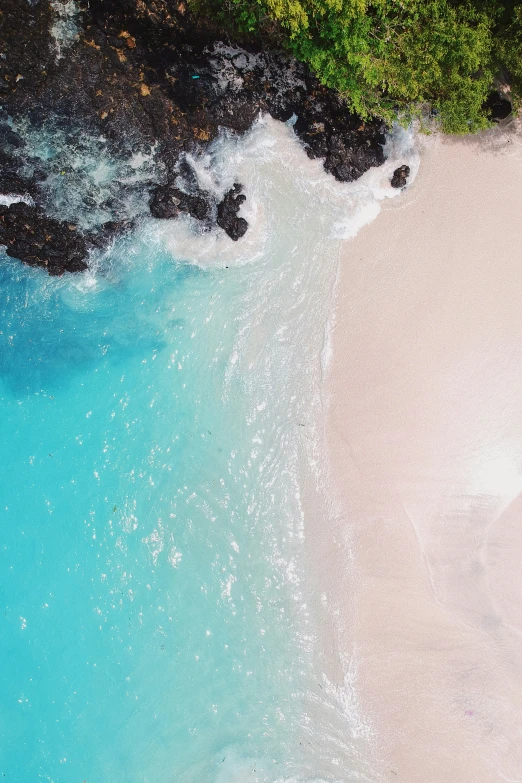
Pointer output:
x,y
155,413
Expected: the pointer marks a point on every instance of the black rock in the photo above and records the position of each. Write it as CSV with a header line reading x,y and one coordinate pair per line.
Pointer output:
x,y
12,184
33,237
227,211
400,176
168,202
497,107
198,205
164,203
12,180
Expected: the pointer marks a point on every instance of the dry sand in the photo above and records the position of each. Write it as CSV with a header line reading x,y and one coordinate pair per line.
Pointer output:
x,y
424,427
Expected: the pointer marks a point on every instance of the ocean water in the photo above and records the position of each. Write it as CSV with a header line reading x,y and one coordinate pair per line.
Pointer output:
x,y
156,414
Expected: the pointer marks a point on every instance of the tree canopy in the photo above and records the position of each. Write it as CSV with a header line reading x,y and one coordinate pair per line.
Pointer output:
x,y
396,56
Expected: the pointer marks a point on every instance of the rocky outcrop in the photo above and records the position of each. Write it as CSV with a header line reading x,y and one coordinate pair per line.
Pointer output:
x,y
227,217
41,241
349,146
400,176
169,202
145,80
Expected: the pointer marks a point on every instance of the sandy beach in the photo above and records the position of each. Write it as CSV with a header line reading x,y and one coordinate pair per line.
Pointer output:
x,y
424,429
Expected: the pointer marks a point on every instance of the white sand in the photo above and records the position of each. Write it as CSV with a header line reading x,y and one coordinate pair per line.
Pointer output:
x,y
424,427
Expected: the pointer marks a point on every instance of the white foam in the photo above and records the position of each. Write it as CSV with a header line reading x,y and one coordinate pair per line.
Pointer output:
x,y
272,150
7,199
65,29
231,62
84,181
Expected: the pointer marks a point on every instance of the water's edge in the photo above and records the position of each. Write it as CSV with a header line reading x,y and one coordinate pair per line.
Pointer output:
x,y
159,418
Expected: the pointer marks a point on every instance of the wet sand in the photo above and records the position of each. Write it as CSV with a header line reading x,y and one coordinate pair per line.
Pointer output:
x,y
424,429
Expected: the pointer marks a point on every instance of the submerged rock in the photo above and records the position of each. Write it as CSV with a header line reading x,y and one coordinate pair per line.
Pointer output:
x,y
400,176
149,81
227,211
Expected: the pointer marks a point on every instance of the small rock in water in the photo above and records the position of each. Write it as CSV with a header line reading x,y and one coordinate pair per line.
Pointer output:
x,y
227,210
400,176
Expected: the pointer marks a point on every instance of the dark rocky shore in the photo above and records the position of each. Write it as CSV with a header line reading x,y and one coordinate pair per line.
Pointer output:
x,y
124,80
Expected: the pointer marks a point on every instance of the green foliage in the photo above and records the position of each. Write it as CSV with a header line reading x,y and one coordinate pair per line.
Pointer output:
x,y
509,45
394,56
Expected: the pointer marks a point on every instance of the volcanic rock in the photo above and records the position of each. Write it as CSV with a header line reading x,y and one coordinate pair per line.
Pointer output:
x,y
39,240
168,201
400,176
227,211
146,81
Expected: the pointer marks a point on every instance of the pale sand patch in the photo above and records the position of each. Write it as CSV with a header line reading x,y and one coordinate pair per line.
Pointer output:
x,y
424,427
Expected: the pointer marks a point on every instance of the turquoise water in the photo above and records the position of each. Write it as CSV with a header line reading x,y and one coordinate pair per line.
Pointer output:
x,y
153,415
136,596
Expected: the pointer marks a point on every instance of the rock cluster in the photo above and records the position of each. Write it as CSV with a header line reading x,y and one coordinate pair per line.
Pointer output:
x,y
400,176
168,201
39,240
227,210
148,80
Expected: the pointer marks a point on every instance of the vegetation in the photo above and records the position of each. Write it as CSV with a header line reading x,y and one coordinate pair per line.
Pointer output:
x,y
389,57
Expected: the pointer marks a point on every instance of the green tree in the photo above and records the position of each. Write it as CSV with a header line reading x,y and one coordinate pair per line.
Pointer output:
x,y
508,44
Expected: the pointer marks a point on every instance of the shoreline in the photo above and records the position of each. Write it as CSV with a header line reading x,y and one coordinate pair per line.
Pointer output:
x,y
424,434
176,83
